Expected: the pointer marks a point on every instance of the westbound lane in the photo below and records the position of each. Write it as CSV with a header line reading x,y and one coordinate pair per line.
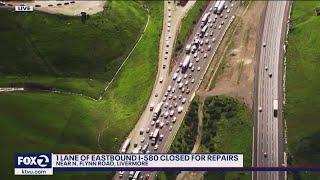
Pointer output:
x,y
268,126
190,79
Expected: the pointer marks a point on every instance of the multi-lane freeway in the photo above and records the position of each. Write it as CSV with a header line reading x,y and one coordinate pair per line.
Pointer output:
x,y
181,90
268,134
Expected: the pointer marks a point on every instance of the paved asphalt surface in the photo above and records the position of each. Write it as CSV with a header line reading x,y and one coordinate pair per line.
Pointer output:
x,y
197,75
268,136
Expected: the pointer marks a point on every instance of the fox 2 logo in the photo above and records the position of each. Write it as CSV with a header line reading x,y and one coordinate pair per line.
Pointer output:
x,y
33,160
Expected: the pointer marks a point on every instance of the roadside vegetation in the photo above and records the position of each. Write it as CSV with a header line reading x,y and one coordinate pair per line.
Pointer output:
x,y
227,128
302,89
188,22
61,52
185,138
67,123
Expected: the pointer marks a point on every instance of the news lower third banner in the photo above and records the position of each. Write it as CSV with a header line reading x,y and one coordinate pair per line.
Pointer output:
x,y
46,163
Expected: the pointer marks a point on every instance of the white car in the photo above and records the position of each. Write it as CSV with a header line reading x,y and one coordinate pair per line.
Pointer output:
x,y
210,20
190,75
142,139
213,40
173,90
205,55
180,96
166,94
166,105
161,80
209,47
226,16
170,97
192,80
188,91
152,123
156,147
211,34
219,27
206,34
260,109
228,11
169,88
195,55
198,68
178,70
170,128
147,130
180,85
174,97
192,69
216,16
175,105
180,65
222,22
161,137
190,65
210,9
207,41
164,99
185,76
179,79
166,114
174,119
171,113
183,100
197,59
182,90
215,26
186,83
180,109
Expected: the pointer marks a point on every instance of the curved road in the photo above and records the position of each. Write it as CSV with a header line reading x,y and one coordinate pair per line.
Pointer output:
x,y
268,135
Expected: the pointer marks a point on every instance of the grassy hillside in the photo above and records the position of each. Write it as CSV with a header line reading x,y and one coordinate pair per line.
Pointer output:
x,y
40,47
67,123
130,92
227,129
303,88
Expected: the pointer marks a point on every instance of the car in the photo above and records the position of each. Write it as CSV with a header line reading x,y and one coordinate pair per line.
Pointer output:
x,y
170,107
195,55
148,175
166,114
166,105
201,42
163,66
201,50
209,20
152,123
213,40
170,97
180,109
161,124
147,152
178,70
265,154
164,99
173,90
226,16
72,2
221,15
190,75
197,59
169,14
59,4
205,55
141,131
211,34
174,97
206,34
156,147
192,69
192,80
174,119
169,88
188,91
171,113
2,4
228,11
260,109
186,83
210,9
50,5
161,114
180,85
161,137
170,128
169,25
167,122
135,144
156,95
209,47
183,100
121,174
182,90
166,94
179,79
222,22
37,5
161,80
198,68
216,16
225,7
147,130
207,41
219,27
231,5
264,44
215,26
142,139
186,75
165,57
211,25
266,68
66,3
175,105
180,96
158,122
151,107
270,74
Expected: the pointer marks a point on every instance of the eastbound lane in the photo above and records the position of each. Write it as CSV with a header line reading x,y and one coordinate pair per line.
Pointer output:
x,y
268,127
219,26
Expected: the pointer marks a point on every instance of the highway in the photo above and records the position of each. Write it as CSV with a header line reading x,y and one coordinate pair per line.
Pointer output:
x,y
268,127
190,81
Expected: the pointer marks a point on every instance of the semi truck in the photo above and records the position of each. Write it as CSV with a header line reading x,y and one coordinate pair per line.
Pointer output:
x,y
216,5
125,145
220,7
157,111
204,30
185,63
205,18
155,135
188,48
275,107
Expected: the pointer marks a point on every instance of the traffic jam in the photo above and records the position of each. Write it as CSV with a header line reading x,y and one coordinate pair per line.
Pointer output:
x,y
172,104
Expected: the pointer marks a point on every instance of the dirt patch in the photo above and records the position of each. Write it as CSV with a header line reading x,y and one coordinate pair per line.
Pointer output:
x,y
236,76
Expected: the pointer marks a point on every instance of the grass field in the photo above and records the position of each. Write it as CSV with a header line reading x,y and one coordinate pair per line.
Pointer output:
x,y
45,122
303,88
42,46
227,129
66,123
188,22
128,95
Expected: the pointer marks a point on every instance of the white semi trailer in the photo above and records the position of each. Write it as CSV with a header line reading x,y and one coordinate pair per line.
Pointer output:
x,y
185,63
